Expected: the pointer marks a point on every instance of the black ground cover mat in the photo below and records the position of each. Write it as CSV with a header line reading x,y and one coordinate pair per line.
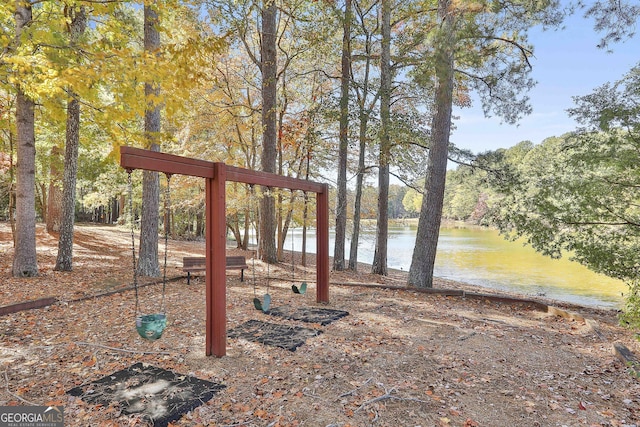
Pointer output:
x,y
283,336
323,316
159,395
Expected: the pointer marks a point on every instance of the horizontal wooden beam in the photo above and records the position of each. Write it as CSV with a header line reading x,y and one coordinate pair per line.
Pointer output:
x,y
266,179
136,158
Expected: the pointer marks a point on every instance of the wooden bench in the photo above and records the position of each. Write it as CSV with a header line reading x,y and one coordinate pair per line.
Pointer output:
x,y
196,264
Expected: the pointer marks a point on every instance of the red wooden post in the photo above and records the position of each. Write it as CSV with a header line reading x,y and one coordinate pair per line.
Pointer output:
x,y
216,339
322,245
208,346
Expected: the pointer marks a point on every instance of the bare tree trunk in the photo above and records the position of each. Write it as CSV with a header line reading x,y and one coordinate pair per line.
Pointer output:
x,y
357,208
305,214
149,223
424,252
380,254
64,260
286,224
341,202
247,224
282,228
200,223
269,67
148,256
233,224
121,207
54,199
25,262
41,198
12,189
363,112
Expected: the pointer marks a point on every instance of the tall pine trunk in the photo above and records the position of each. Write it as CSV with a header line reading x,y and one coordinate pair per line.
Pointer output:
x,y
424,252
269,67
365,107
64,260
25,263
12,189
341,203
148,256
382,227
357,207
54,197
281,221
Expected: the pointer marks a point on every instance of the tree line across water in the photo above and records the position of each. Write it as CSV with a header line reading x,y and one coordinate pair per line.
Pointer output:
x,y
353,92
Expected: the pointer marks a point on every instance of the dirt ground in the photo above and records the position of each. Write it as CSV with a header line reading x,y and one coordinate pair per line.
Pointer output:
x,y
400,358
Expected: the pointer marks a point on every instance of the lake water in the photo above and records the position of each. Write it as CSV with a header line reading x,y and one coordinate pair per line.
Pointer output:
x,y
480,256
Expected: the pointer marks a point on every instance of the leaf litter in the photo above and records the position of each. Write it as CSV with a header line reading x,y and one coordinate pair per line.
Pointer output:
x,y
399,358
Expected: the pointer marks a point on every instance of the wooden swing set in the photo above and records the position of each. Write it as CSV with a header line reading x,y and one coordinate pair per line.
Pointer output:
x,y
216,175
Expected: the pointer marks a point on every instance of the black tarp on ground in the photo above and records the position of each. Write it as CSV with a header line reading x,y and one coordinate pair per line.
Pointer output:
x,y
283,336
322,316
159,395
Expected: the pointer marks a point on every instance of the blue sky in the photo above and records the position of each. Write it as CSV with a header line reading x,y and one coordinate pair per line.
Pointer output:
x,y
567,63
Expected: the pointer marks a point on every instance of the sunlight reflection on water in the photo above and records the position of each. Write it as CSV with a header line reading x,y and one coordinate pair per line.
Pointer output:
x,y
480,256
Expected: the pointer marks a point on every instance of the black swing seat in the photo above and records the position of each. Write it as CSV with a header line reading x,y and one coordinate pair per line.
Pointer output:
x,y
198,264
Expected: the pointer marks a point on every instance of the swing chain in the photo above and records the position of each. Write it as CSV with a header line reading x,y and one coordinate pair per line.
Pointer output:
x,y
167,222
253,259
133,237
293,254
266,302
151,326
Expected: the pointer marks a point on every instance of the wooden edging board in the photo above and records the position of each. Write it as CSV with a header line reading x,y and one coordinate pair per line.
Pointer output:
x,y
464,294
27,305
